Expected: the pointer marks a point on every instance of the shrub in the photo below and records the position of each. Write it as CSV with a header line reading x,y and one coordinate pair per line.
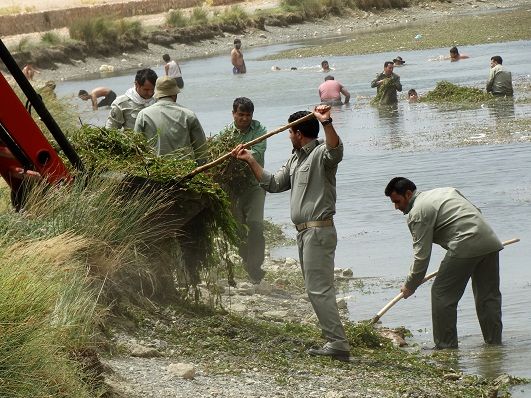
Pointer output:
x,y
176,18
448,92
234,15
51,38
199,16
309,8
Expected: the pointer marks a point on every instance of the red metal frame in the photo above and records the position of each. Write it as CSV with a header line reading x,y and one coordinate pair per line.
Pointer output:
x,y
24,132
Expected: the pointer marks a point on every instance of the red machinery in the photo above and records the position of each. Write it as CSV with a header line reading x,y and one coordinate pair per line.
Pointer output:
x,y
24,150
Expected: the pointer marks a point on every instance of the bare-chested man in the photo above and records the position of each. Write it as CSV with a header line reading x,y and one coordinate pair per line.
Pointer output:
x,y
107,93
236,57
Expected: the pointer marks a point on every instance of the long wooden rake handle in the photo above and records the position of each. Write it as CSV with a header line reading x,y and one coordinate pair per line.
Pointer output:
x,y
247,145
399,296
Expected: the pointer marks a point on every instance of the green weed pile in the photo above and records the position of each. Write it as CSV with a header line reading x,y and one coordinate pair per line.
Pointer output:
x,y
445,91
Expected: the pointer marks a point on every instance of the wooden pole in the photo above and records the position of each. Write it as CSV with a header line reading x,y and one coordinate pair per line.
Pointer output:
x,y
399,296
247,145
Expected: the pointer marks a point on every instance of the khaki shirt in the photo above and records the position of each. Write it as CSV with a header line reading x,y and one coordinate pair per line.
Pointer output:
x,y
123,113
445,217
389,96
500,81
310,173
169,127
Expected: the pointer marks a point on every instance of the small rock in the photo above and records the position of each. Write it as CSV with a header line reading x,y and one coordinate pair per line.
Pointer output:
x,y
342,304
263,36
347,273
452,376
278,316
184,370
141,351
290,262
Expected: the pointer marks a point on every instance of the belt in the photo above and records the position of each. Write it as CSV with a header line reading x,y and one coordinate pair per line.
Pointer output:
x,y
314,224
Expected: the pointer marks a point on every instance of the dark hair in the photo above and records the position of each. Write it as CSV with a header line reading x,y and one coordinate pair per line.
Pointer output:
x,y
308,128
497,59
146,74
324,62
411,92
329,77
454,50
166,57
388,63
237,41
243,104
82,92
400,185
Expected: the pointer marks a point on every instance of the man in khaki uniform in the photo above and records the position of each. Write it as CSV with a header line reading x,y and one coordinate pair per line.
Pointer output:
x,y
169,127
247,197
500,82
387,84
125,108
446,217
310,173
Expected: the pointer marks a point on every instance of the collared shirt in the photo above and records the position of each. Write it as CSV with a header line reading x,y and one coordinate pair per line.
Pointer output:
x,y
255,130
387,90
500,81
445,217
123,113
310,173
169,127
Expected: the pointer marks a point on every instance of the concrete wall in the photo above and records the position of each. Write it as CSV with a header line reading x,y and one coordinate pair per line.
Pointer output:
x,y
54,19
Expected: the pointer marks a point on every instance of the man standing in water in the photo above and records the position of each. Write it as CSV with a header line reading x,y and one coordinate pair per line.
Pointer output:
x,y
173,70
247,197
125,108
310,173
236,57
330,92
500,82
387,84
446,217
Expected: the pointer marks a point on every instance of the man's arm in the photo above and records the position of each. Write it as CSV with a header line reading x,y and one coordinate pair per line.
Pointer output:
x,y
115,120
166,69
246,155
398,85
322,114
422,233
198,139
234,57
490,82
94,100
376,82
345,92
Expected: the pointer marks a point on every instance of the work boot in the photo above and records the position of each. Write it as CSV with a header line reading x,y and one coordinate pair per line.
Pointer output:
x,y
340,355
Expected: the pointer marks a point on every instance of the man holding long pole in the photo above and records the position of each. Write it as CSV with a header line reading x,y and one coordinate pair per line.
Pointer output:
x,y
310,173
446,217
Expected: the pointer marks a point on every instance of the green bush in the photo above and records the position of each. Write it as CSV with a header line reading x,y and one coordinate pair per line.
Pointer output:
x,y
51,38
309,8
199,16
445,91
234,15
176,18
103,30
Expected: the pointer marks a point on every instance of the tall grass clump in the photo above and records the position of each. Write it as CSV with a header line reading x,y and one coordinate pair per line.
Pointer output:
x,y
308,8
234,15
51,38
47,314
103,30
176,18
198,16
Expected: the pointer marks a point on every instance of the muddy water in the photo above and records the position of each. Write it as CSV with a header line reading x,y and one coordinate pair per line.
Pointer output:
x,y
485,151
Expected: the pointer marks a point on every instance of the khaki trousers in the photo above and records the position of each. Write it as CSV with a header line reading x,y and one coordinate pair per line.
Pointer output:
x,y
248,209
317,248
448,289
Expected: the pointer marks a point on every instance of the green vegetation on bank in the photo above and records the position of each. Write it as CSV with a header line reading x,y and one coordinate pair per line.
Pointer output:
x,y
105,31
460,30
230,344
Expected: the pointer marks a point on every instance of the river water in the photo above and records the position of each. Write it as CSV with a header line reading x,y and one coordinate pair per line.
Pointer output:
x,y
483,151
